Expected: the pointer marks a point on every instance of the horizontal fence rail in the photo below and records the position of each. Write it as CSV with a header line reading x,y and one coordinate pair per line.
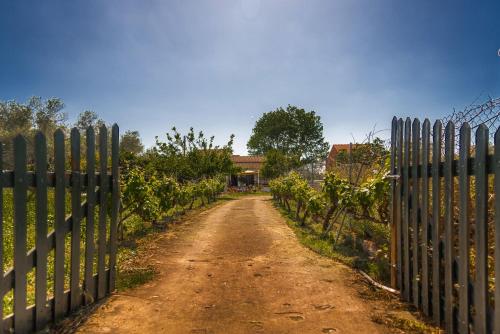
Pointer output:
x,y
446,223
67,267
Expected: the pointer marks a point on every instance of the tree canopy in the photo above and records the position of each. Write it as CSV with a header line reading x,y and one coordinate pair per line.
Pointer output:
x,y
26,118
191,156
131,142
365,153
88,118
277,163
292,131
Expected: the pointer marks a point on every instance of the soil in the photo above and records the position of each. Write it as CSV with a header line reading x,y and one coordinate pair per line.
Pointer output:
x,y
238,268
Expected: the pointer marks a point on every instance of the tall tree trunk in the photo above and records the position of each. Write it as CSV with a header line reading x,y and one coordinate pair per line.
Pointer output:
x,y
287,205
299,206
303,222
328,216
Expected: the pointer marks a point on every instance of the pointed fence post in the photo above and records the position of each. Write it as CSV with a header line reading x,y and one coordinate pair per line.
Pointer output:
x,y
463,229
449,230
115,194
60,212
103,193
1,231
406,212
41,316
424,171
415,206
75,293
89,287
481,281
21,322
436,221
394,224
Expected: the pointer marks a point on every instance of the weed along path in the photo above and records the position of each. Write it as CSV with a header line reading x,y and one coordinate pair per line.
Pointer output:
x,y
238,268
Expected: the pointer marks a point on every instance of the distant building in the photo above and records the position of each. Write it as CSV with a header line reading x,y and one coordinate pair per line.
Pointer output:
x,y
250,171
335,150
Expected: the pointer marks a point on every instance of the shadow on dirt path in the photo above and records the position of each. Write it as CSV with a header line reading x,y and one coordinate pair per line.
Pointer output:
x,y
239,269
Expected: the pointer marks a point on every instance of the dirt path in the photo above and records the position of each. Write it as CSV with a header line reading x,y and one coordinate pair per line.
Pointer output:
x,y
239,269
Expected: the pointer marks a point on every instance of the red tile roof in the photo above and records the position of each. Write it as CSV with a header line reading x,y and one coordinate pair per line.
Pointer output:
x,y
336,149
248,162
247,158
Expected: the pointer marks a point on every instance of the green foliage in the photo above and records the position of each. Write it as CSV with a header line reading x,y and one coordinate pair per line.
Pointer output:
x,y
88,118
277,163
27,118
365,208
139,195
190,157
130,142
374,195
173,175
153,196
371,153
338,191
294,132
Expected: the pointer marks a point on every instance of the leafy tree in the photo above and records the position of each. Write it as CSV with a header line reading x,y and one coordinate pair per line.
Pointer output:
x,y
26,118
366,153
152,197
295,132
15,118
276,163
88,118
191,157
48,115
131,142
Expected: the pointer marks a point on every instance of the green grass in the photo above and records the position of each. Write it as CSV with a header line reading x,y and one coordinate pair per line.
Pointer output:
x,y
8,242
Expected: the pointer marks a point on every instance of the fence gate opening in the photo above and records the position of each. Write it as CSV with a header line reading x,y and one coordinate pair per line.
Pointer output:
x,y
57,227
446,223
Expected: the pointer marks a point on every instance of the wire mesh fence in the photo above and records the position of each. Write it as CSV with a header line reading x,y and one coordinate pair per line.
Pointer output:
x,y
487,113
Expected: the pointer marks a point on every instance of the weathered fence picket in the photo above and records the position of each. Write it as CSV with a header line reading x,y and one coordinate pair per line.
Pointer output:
x,y
444,262
56,303
436,224
424,171
463,229
88,283
397,202
496,162
21,323
41,230
481,233
115,205
414,209
60,208
75,221
449,235
101,241
394,227
1,232
406,211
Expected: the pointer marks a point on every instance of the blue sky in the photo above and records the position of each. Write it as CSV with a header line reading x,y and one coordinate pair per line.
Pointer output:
x,y
219,64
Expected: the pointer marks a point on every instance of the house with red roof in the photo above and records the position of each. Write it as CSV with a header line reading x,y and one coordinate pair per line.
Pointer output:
x,y
334,151
250,171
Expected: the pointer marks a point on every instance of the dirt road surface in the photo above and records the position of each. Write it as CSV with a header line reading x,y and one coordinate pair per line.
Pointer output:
x,y
239,269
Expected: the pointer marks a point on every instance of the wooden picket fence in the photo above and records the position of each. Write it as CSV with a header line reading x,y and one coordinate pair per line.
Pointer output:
x,y
446,223
100,189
